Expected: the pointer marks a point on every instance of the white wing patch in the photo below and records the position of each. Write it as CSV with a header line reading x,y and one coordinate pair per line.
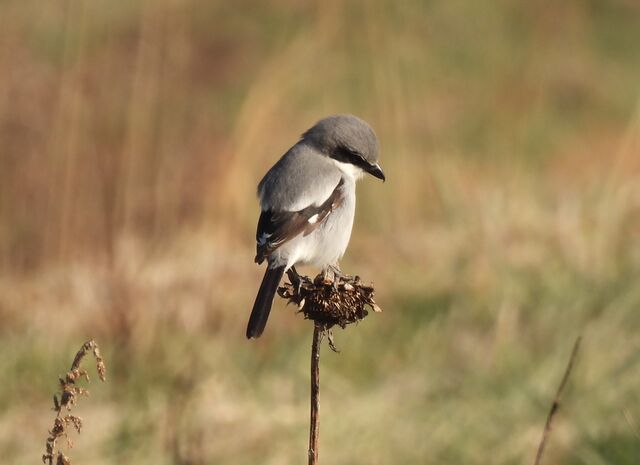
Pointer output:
x,y
313,219
263,239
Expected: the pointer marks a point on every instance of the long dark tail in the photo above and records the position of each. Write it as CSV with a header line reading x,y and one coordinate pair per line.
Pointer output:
x,y
264,300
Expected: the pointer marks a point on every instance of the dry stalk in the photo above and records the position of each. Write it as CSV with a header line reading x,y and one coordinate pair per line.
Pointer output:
x,y
556,403
67,399
328,303
314,419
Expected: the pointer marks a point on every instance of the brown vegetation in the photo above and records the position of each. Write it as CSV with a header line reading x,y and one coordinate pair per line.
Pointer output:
x,y
69,394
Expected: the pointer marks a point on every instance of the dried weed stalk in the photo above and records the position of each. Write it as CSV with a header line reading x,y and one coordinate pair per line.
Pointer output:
x,y
67,399
555,405
327,303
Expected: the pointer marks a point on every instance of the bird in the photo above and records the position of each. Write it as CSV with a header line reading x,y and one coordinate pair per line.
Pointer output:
x,y
307,201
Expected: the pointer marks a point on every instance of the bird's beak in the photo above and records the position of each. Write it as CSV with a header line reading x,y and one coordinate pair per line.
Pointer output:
x,y
375,170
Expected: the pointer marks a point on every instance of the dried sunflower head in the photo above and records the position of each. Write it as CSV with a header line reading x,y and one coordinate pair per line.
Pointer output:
x,y
339,302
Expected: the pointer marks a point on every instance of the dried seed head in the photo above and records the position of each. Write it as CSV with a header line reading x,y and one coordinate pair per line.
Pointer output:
x,y
340,302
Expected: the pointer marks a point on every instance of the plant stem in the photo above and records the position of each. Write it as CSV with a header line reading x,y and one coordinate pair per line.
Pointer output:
x,y
314,420
556,403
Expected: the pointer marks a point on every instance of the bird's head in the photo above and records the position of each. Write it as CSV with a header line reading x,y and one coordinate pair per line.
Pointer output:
x,y
349,141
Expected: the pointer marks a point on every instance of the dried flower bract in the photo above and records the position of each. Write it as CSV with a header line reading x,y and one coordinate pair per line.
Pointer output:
x,y
341,301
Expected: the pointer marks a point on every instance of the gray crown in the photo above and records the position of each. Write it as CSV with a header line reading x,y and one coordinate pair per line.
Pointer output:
x,y
344,133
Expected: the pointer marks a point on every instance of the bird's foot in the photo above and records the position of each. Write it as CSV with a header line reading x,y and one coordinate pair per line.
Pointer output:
x,y
337,272
331,275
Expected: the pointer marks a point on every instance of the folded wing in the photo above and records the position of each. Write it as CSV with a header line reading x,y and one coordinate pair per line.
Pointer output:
x,y
276,228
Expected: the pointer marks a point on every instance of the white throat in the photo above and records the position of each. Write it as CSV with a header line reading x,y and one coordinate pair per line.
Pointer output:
x,y
350,170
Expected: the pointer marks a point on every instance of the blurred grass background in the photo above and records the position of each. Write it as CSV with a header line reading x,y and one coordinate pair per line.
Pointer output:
x,y
132,135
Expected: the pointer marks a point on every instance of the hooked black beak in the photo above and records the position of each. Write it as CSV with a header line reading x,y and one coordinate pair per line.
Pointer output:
x,y
375,170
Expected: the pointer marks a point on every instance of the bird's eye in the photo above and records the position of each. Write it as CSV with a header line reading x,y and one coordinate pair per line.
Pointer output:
x,y
349,155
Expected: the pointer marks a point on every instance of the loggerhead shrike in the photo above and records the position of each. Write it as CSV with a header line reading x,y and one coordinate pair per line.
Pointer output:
x,y
308,200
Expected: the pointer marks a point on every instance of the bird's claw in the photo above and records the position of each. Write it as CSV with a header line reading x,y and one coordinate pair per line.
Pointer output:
x,y
331,275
